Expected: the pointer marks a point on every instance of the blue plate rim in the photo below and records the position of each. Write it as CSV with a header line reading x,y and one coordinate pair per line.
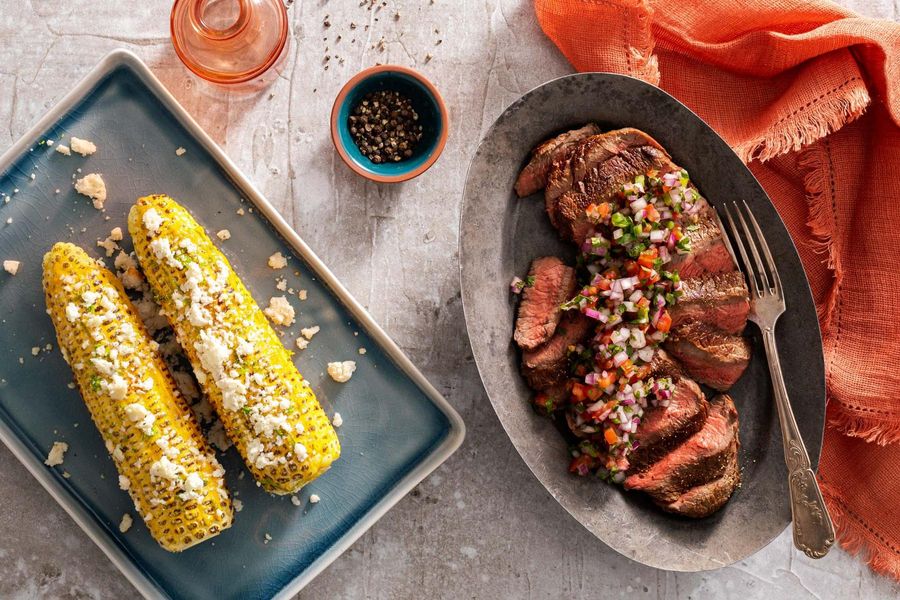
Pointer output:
x,y
17,445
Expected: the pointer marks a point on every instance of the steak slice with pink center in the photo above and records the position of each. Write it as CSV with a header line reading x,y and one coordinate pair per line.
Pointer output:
x,y
702,458
720,299
552,284
703,500
662,428
533,177
547,365
708,254
709,355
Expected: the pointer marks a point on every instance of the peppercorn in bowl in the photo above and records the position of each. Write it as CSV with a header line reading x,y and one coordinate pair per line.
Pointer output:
x,y
389,124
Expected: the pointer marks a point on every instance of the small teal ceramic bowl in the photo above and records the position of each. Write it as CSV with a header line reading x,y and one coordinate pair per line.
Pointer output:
x,y
426,101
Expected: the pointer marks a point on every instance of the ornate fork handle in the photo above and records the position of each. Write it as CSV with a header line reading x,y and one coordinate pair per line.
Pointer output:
x,y
813,529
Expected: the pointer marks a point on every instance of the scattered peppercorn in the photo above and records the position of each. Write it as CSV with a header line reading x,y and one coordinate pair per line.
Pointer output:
x,y
385,126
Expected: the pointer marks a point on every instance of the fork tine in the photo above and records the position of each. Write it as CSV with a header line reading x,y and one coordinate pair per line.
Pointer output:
x,y
745,258
727,241
763,277
765,248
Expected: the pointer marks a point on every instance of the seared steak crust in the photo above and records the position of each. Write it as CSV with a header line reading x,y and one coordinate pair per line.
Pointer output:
x,y
708,252
533,177
720,299
539,312
700,459
709,355
663,428
546,365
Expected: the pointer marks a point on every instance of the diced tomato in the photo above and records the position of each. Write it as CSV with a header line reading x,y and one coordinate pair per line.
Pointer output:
x,y
664,323
579,391
631,267
582,465
651,214
648,256
606,379
610,436
594,393
604,284
643,301
627,366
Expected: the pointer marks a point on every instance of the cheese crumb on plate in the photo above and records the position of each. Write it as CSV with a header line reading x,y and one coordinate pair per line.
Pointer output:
x,y
277,261
92,186
279,311
82,147
223,234
57,454
341,371
11,266
126,522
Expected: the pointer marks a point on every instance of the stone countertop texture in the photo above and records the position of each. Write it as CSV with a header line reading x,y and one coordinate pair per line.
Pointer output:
x,y
481,526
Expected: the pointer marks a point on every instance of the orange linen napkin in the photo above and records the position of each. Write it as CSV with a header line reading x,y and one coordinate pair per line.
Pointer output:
x,y
808,94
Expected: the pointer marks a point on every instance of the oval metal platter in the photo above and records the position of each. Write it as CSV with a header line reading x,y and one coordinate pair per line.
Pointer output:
x,y
500,235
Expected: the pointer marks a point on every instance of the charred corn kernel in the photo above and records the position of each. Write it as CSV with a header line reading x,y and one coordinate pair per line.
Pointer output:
x,y
164,462
267,408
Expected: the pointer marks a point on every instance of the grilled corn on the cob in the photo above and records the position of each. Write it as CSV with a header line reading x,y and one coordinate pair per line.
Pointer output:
x,y
267,408
163,459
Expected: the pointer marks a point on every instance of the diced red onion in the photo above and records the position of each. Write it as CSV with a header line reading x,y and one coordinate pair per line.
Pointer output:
x,y
516,285
619,358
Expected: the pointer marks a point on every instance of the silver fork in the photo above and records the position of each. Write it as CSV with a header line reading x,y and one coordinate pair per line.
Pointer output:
x,y
813,529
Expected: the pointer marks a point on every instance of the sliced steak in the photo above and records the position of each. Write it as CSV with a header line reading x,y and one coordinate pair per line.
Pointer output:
x,y
664,427
595,172
547,365
709,355
703,500
539,311
664,366
700,459
720,299
534,176
708,254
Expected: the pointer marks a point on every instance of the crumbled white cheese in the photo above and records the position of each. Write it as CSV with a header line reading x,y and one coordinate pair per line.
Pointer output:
x,y
341,371
92,186
124,262
57,454
238,505
302,294
152,220
314,499
277,261
82,147
240,212
302,343
300,452
11,266
165,469
137,413
118,387
162,250
281,284
193,483
63,149
268,538
309,332
35,351
223,235
116,234
109,245
125,525
362,350
124,483
217,437
337,420
179,151
280,311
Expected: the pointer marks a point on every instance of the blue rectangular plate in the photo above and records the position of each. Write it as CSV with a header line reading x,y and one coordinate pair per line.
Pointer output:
x,y
396,430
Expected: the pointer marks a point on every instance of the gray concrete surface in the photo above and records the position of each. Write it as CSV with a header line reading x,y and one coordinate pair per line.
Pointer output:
x,y
481,526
